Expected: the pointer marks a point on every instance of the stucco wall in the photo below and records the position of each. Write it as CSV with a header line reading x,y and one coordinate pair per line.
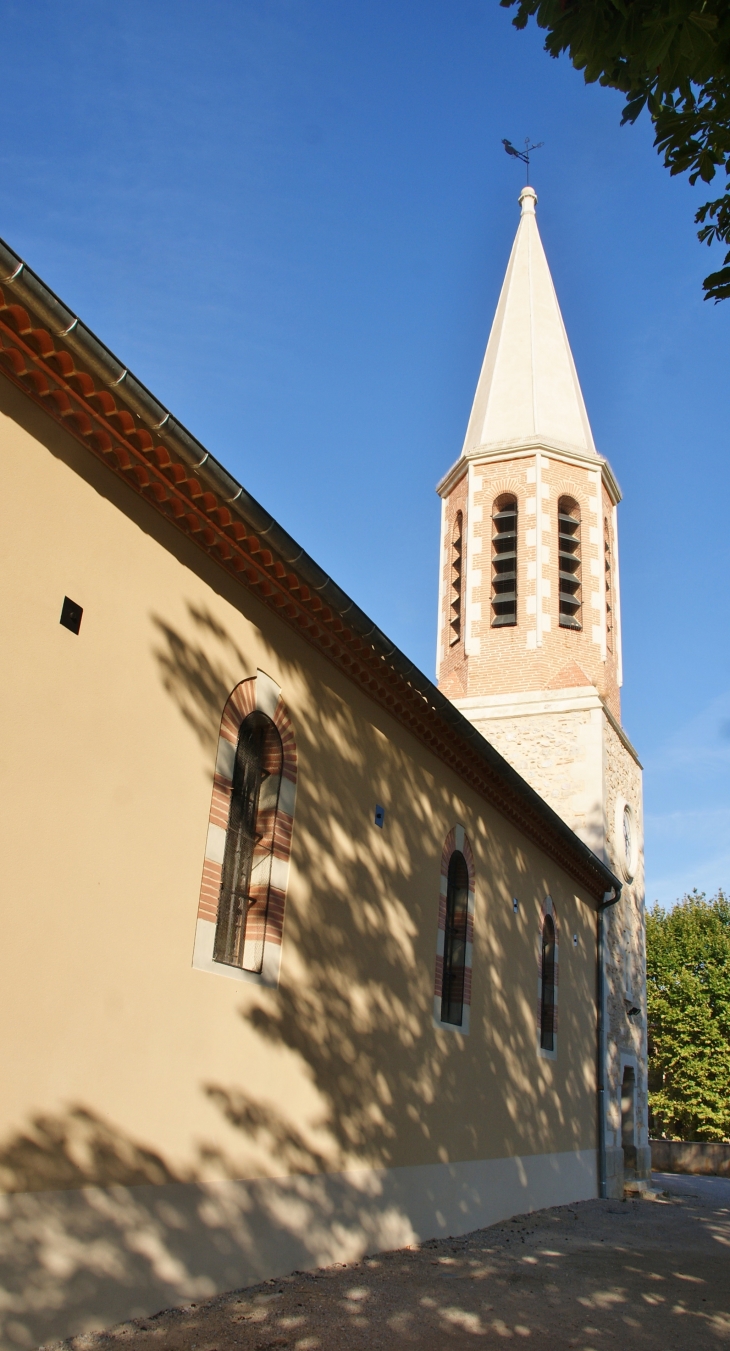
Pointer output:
x,y
573,756
123,1065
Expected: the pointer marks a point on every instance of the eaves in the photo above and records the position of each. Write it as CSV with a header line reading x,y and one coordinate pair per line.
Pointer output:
x,y
526,448
48,353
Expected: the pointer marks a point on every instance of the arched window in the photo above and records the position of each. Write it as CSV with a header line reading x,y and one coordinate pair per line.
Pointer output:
x,y
457,546
455,934
609,583
249,847
569,578
547,986
240,922
504,562
457,912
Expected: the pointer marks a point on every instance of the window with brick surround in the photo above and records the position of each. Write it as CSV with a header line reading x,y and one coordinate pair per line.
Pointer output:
x,y
547,996
457,912
240,921
609,583
244,894
569,564
457,549
504,561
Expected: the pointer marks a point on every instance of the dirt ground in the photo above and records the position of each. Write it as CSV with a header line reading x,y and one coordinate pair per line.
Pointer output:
x,y
599,1274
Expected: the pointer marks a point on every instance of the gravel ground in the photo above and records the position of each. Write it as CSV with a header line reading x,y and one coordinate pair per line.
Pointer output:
x,y
620,1274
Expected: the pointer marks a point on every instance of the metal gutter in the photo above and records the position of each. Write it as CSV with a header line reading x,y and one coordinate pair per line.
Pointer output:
x,y
31,292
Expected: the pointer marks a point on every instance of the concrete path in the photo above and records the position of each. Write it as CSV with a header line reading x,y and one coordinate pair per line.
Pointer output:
x,y
600,1274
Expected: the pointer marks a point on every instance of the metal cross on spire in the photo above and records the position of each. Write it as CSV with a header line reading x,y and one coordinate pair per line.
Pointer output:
x,y
523,155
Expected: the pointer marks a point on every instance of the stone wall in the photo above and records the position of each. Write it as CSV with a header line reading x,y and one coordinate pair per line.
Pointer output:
x,y
559,754
625,1010
691,1156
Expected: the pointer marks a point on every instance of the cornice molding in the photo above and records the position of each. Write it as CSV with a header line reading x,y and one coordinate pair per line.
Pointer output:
x,y
620,733
525,449
67,372
532,703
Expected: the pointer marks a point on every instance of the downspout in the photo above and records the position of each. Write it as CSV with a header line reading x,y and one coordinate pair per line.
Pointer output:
x,y
608,900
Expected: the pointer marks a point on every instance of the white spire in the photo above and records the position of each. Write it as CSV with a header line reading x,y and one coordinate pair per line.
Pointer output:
x,y
528,389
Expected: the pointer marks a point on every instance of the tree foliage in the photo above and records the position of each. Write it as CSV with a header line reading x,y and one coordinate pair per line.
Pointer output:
x,y
688,1002
671,57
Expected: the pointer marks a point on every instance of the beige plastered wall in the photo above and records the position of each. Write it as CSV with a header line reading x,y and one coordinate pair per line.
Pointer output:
x,y
165,1132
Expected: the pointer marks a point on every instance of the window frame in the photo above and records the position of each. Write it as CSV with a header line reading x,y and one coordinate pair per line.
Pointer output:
x,y
547,912
456,581
505,506
455,931
457,841
627,866
257,694
569,509
249,847
608,584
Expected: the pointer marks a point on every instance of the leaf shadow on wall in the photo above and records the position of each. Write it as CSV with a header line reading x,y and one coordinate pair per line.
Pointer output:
x,y
101,1227
197,684
391,1087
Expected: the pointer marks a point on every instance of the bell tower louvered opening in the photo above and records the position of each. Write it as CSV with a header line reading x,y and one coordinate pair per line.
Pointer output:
x,y
608,570
457,549
504,562
569,563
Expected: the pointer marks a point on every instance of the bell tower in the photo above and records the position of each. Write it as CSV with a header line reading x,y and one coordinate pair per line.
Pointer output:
x,y
529,638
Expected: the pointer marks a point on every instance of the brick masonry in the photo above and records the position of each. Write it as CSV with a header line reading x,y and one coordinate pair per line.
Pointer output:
x,y
532,654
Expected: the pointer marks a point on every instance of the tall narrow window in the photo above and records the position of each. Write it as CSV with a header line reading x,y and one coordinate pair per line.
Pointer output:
x,y
547,997
457,911
569,563
609,583
249,848
628,1121
457,546
504,562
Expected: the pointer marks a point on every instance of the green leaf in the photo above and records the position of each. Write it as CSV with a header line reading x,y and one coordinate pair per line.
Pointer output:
x,y
662,54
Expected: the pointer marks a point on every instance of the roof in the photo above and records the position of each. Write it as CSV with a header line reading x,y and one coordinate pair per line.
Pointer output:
x,y
48,353
528,389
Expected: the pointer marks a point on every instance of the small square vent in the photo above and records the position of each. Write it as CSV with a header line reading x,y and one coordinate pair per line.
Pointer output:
x,y
71,615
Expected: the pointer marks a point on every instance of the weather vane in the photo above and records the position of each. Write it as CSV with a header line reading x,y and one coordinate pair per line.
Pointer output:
x,y
524,155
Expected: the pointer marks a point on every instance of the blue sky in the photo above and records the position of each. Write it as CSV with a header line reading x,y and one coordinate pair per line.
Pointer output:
x,y
292,222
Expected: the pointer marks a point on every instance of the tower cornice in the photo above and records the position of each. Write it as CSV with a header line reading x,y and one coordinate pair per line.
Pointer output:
x,y
482,708
525,448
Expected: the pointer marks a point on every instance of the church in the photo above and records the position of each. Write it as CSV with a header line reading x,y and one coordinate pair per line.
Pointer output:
x,y
304,956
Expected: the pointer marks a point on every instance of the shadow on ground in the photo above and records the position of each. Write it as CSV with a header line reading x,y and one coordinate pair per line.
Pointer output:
x,y
636,1274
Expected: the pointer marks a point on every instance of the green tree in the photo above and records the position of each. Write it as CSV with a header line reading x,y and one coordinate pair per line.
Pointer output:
x,y
671,57
688,1002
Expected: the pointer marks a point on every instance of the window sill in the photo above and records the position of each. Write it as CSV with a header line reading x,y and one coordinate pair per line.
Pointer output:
x,y
462,1027
203,959
547,1055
